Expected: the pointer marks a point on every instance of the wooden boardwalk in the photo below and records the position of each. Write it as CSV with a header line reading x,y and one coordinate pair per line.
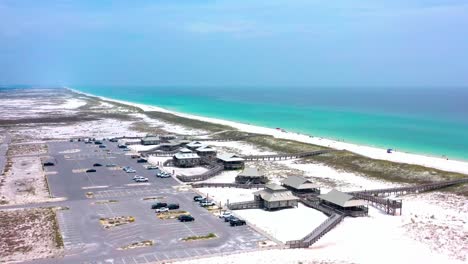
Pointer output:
x,y
317,233
287,156
411,189
227,185
213,171
245,205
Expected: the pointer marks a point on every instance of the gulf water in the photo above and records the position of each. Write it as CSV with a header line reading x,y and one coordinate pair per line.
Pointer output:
x,y
431,121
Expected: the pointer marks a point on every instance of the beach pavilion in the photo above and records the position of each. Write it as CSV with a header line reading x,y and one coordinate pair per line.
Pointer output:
x,y
343,202
275,196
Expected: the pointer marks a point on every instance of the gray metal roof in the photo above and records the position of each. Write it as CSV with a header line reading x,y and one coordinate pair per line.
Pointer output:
x,y
186,156
299,183
275,187
274,196
195,144
185,150
341,199
156,138
206,149
229,157
251,172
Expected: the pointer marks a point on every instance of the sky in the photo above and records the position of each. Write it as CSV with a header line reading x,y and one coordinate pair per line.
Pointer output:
x,y
382,43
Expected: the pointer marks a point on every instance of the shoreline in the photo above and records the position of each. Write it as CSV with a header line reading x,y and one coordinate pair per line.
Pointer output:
x,y
452,165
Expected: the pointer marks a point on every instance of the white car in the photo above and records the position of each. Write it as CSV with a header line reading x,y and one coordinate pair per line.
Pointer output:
x,y
129,170
162,210
137,177
225,214
207,203
141,179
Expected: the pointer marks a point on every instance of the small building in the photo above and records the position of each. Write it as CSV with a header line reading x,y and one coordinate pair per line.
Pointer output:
x,y
166,138
206,152
186,160
48,162
251,175
194,145
153,140
299,184
344,202
169,146
185,150
231,161
275,196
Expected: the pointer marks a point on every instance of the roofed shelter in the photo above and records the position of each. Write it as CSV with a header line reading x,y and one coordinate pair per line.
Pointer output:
x,y
344,202
300,184
275,196
231,161
150,140
194,145
251,175
206,152
186,160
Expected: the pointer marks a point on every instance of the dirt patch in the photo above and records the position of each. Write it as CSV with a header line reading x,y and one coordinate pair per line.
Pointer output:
x,y
24,181
26,149
146,243
171,214
205,237
153,198
116,221
28,234
105,202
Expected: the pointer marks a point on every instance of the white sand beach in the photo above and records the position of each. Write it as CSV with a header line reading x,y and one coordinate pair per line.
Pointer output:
x,y
372,152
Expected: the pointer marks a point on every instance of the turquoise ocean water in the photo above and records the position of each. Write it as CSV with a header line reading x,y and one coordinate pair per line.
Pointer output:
x,y
425,121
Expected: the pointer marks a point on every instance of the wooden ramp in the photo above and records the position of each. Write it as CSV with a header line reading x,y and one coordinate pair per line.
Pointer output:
x,y
213,171
317,233
411,189
245,205
287,156
227,185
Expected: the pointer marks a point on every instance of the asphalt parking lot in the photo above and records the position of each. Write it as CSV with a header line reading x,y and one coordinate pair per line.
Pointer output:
x,y
85,239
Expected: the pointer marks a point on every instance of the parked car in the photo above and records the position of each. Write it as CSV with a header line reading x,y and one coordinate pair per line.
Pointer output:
x,y
113,140
186,218
162,210
102,146
122,146
135,156
163,174
197,198
152,167
97,165
141,179
137,177
129,170
229,218
225,214
173,206
141,160
90,170
158,205
111,165
207,203
237,222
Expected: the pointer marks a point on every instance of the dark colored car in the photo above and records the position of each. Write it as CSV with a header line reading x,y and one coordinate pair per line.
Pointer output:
x,y
230,218
237,222
142,160
197,198
173,206
186,218
97,165
90,170
97,142
158,205
102,146
113,140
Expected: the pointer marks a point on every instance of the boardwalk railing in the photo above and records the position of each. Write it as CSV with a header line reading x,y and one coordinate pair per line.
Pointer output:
x,y
213,171
411,189
159,153
315,203
389,206
287,156
317,233
245,205
227,185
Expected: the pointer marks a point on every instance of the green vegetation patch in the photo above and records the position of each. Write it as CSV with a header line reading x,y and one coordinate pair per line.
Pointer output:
x,y
140,244
192,238
192,123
